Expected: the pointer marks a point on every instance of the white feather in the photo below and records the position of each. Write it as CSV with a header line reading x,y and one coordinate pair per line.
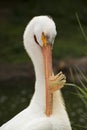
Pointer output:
x,y
33,117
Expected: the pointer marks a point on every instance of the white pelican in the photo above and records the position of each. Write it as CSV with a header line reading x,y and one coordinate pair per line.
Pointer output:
x,y
41,114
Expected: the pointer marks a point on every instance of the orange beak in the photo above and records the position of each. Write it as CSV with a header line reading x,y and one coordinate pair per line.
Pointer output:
x,y
47,59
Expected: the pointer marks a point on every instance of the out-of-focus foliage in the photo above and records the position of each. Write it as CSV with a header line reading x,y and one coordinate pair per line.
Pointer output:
x,y
14,16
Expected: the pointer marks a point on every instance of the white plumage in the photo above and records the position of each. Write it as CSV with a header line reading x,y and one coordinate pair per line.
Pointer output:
x,y
34,117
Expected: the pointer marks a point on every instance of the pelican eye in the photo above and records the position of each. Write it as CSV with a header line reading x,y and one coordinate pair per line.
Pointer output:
x,y
35,38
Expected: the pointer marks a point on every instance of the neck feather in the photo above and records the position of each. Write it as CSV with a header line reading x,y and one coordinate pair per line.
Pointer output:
x,y
34,51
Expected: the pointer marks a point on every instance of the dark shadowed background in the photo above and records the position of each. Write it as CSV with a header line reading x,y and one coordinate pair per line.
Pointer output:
x,y
70,50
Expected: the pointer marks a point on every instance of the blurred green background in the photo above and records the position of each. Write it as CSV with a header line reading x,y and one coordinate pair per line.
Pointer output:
x,y
15,15
15,92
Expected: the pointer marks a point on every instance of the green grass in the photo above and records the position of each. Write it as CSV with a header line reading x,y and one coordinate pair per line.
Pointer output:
x,y
81,93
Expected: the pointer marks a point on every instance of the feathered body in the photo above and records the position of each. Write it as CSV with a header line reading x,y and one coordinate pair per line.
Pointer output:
x,y
34,117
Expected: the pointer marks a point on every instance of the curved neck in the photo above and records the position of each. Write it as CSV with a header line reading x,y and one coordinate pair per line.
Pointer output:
x,y
39,95
35,53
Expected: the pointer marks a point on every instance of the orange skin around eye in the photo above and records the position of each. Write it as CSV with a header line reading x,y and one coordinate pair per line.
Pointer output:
x,y
44,39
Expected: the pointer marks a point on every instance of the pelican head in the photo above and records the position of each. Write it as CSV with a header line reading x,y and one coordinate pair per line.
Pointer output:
x,y
40,30
38,36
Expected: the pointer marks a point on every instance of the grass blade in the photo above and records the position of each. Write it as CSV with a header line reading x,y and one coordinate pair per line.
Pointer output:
x,y
82,30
